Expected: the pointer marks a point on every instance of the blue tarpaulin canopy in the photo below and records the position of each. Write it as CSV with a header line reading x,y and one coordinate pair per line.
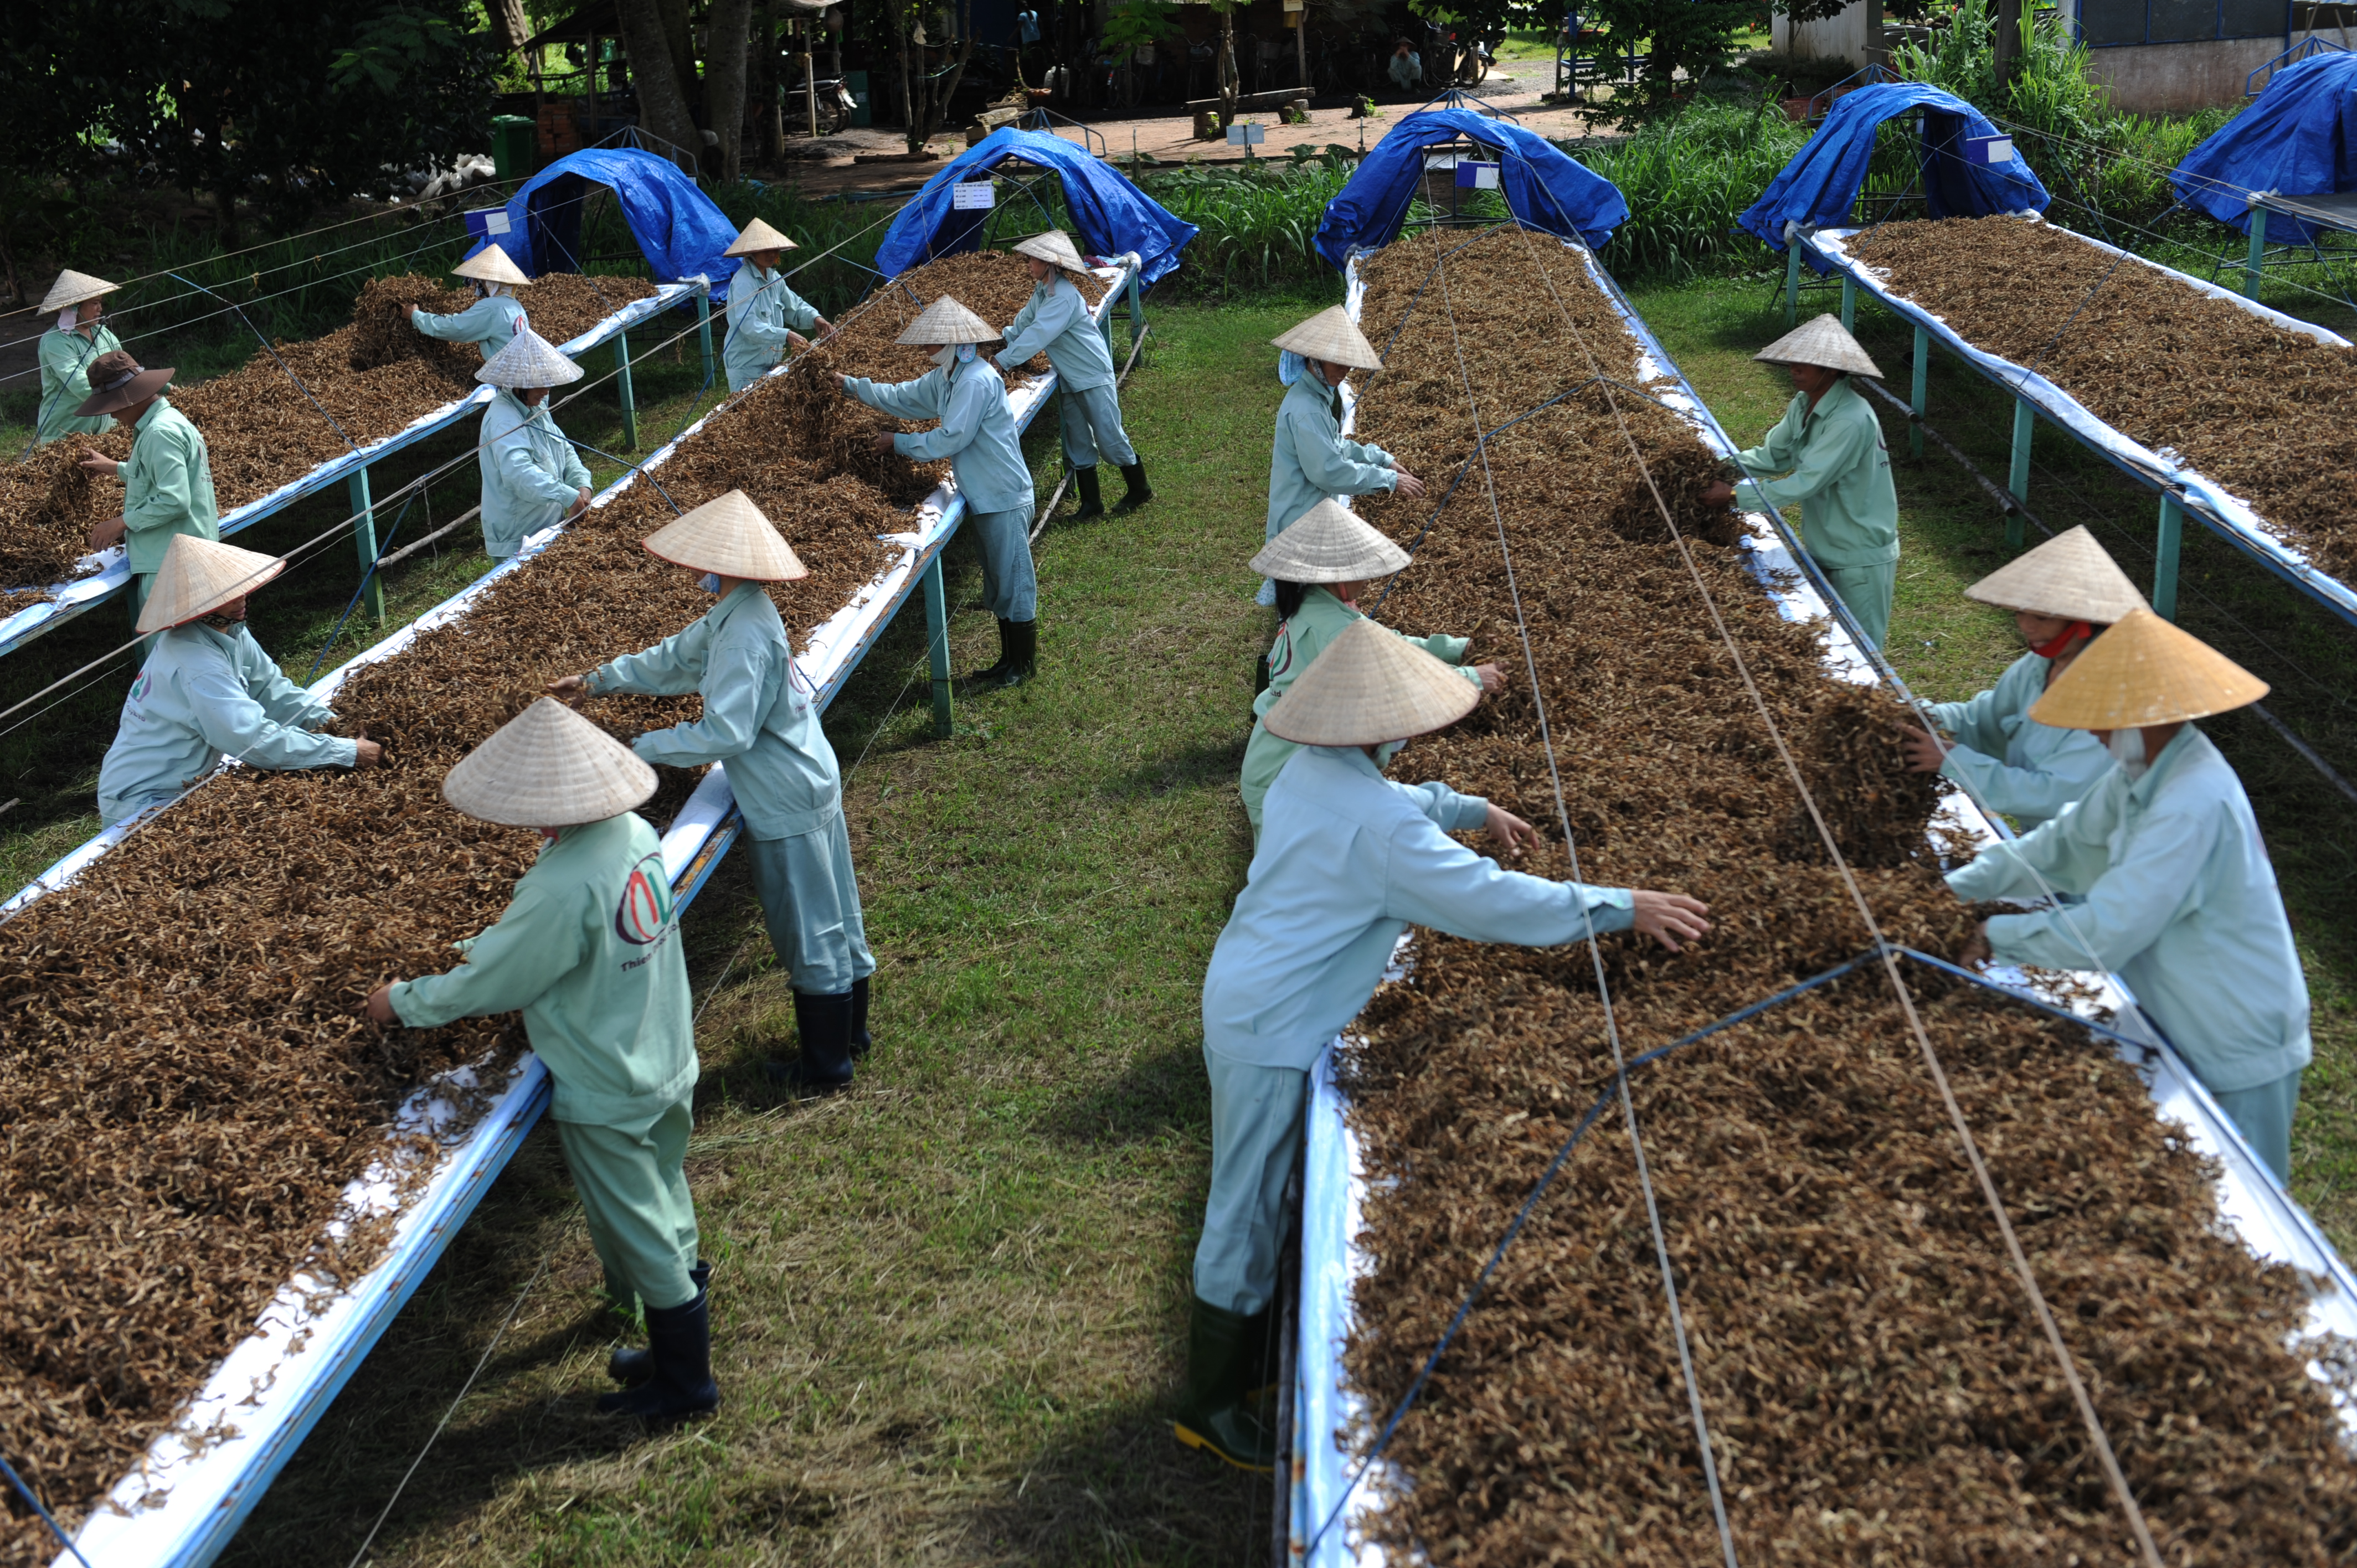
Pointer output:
x,y
676,225
1542,185
1112,214
1821,184
2298,139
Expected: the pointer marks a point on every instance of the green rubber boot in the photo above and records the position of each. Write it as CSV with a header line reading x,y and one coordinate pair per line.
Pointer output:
x,y
1221,1414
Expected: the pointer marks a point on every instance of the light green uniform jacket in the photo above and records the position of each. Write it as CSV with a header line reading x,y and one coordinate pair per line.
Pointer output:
x,y
1311,461
66,359
761,308
1835,467
489,323
167,487
532,475
1056,318
2008,760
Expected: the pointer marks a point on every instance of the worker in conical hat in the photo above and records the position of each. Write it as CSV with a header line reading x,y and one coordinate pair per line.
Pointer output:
x,y
1320,565
977,435
766,318
761,719
1056,318
2174,890
206,691
2061,594
589,951
168,480
1347,861
532,478
493,321
68,348
1828,448
1310,461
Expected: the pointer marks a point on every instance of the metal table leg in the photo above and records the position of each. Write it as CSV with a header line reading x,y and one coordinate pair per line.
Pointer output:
x,y
364,539
2025,422
1850,302
703,325
2164,564
1923,388
1793,283
937,645
2258,255
622,388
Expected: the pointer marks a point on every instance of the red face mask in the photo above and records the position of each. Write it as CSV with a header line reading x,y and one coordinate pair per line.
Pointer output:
x,y
2069,634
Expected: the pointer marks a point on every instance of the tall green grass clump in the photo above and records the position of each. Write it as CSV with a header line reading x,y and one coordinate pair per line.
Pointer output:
x,y
1258,222
1687,179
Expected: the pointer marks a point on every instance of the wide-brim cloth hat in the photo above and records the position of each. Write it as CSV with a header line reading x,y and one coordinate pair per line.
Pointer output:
x,y
1823,342
1056,248
947,321
528,360
117,380
1333,337
198,576
492,264
548,767
2070,577
1368,686
758,236
72,288
1327,544
729,536
2145,671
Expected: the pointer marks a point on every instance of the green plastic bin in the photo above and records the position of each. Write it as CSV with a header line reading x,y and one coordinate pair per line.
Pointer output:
x,y
515,146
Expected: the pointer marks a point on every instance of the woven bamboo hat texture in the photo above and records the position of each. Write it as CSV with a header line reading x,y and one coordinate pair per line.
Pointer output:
x,y
548,767
1368,686
199,575
528,360
1327,545
72,288
2068,576
2145,671
117,380
1056,248
1823,342
947,321
1333,337
728,535
758,236
491,264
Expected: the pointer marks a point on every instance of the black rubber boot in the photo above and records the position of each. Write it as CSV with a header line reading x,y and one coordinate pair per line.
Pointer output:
x,y
1138,492
1019,658
1084,480
679,1343
1223,1362
995,675
860,1038
824,1065
630,1367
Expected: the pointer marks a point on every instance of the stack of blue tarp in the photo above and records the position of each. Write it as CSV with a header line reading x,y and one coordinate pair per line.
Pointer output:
x,y
1544,187
2298,139
677,227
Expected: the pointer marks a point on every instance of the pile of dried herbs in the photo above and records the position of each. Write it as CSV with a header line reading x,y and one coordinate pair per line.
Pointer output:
x,y
1876,1387
185,1086
2269,414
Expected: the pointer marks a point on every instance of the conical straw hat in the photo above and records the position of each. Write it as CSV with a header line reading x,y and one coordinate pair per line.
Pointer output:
x,y
2068,576
1055,247
1333,337
1824,342
2145,671
729,536
1368,686
947,321
72,288
529,360
758,236
548,767
199,575
491,264
1327,545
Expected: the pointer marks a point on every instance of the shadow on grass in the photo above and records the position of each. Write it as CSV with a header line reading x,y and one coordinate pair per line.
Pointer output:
x,y
1152,1097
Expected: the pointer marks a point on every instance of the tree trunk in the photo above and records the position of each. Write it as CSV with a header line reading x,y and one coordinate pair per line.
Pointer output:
x,y
2008,40
663,110
679,38
510,27
1228,75
766,111
724,84
945,89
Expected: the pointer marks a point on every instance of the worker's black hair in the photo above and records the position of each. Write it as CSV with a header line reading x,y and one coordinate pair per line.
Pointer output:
x,y
1288,600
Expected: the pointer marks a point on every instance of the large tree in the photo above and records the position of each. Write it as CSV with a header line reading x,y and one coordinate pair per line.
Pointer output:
x,y
664,104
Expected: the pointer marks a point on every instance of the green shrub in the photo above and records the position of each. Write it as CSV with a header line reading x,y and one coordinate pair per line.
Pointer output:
x,y
1687,180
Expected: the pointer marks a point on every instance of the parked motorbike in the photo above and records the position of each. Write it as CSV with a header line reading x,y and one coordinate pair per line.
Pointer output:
x,y
834,106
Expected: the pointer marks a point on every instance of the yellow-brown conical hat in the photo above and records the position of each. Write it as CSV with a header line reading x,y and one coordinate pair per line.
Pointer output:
x,y
1368,686
1056,248
529,360
2145,671
1327,545
947,321
758,236
491,264
728,535
2068,576
199,575
1823,342
72,288
548,767
1333,337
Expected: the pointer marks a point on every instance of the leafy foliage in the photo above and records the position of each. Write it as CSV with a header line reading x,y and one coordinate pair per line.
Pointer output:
x,y
1688,178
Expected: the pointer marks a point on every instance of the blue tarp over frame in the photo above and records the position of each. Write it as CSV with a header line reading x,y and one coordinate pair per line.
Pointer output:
x,y
2298,139
1544,187
1111,213
676,225
1821,184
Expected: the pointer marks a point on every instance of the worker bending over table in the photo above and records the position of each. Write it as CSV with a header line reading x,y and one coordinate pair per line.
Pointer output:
x,y
532,478
2175,892
977,435
495,318
1347,861
2061,594
1829,449
1088,394
1322,564
761,720
1310,461
208,691
69,349
764,317
589,951
167,481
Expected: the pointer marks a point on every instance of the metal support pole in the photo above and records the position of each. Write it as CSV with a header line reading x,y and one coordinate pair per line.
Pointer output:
x,y
2164,558
1921,403
1137,312
622,390
1793,283
364,538
2258,256
937,645
1850,302
704,324
2018,481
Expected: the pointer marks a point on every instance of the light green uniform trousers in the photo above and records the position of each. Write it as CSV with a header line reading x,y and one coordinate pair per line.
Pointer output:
x,y
633,1189
2264,1116
1256,1115
1867,591
810,899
